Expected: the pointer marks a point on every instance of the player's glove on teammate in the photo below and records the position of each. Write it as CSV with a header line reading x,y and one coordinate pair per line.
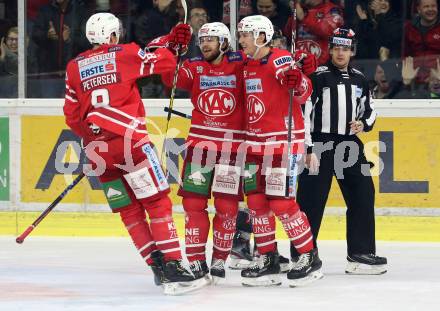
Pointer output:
x,y
177,39
180,36
307,61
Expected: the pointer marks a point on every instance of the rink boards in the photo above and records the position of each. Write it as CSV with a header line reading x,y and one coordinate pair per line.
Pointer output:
x,y
36,146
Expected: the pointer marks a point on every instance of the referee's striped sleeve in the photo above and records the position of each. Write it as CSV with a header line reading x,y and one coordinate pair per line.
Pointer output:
x,y
367,113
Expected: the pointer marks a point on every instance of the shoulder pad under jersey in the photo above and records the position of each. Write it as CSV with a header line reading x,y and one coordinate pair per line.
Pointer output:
x,y
195,59
78,58
234,56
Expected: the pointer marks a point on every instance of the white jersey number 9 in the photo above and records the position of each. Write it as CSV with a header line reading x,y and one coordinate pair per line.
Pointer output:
x,y
100,98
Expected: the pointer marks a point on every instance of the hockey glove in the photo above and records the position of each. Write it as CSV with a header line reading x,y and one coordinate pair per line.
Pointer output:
x,y
180,36
292,78
307,62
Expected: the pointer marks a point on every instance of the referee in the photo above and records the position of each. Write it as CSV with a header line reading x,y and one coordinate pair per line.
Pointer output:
x,y
340,108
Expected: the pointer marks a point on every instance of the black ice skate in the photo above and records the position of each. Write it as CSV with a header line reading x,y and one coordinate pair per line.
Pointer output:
x,y
305,270
200,270
217,270
157,267
263,272
178,280
241,257
366,264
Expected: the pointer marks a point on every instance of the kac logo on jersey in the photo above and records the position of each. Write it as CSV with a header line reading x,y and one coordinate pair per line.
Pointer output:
x,y
278,62
254,86
255,108
310,46
96,69
207,82
216,102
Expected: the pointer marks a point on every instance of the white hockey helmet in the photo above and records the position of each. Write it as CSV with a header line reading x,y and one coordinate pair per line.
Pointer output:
x,y
257,24
216,29
101,26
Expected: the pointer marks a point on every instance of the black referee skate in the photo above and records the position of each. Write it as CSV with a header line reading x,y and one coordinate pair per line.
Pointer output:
x,y
178,280
157,267
263,272
305,270
366,264
200,270
240,256
217,270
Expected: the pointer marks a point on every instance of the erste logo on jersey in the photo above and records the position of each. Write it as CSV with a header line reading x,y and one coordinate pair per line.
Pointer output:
x,y
254,86
97,65
216,102
207,82
256,108
280,61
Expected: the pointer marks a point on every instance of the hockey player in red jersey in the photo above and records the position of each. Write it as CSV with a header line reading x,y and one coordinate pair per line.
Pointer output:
x,y
212,164
268,78
103,106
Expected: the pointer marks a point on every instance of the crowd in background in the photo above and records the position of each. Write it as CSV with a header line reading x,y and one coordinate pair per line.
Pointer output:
x,y
398,41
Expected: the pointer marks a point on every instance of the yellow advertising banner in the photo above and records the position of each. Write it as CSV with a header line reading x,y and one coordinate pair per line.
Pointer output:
x,y
404,150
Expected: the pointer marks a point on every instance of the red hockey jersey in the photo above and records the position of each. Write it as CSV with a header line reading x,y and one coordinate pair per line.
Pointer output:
x,y
267,102
101,88
315,29
217,98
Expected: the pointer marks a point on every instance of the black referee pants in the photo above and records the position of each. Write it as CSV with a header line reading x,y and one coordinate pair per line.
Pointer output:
x,y
357,190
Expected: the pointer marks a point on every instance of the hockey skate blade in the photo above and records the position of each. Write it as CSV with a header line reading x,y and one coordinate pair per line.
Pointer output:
x,y
216,280
357,268
312,277
239,264
265,280
285,267
181,288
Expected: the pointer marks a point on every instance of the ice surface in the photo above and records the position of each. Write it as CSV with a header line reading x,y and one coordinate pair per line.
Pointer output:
x,y
108,274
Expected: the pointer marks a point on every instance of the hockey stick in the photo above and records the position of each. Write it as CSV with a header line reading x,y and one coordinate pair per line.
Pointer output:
x,y
173,89
177,113
23,236
291,93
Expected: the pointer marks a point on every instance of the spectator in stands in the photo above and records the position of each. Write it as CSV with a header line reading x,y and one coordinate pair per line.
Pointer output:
x,y
387,79
278,39
9,64
245,8
275,10
379,31
58,35
422,36
412,90
317,21
156,21
198,16
8,52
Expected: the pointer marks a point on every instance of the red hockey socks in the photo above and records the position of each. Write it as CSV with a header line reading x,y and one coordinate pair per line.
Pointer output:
x,y
295,224
263,223
163,228
196,227
224,227
134,220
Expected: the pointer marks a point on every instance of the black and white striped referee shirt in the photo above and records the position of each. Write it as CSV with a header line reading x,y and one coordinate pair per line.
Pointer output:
x,y
338,98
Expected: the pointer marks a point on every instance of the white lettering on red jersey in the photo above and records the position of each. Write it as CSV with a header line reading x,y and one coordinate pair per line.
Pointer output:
x,y
267,103
101,88
217,98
